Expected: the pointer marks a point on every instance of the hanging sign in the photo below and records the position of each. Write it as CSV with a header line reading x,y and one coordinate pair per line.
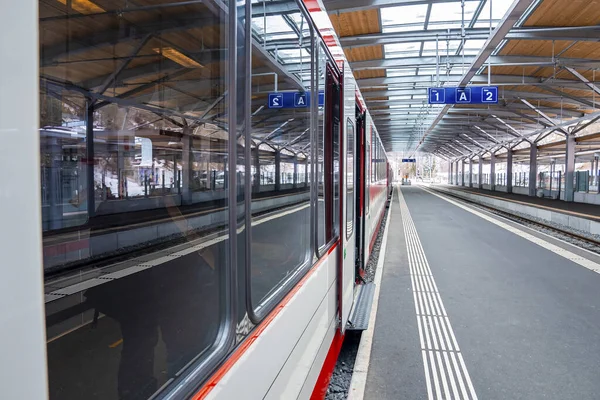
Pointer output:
x,y
293,99
463,95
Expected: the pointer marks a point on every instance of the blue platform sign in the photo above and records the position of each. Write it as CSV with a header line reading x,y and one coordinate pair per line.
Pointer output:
x,y
409,160
293,99
275,100
464,95
437,96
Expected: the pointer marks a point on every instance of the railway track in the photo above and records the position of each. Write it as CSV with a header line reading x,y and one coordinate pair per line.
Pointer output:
x,y
595,244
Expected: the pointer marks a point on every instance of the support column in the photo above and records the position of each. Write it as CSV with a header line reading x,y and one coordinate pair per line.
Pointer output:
x,y
532,169
480,172
186,168
306,172
456,174
493,172
256,163
90,160
509,171
470,172
462,172
277,170
450,170
596,172
295,172
569,168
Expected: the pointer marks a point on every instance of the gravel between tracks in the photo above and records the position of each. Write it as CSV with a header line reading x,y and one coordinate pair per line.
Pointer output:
x,y
342,373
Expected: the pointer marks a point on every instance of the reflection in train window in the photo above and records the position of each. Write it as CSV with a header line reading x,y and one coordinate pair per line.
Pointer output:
x,y
280,134
349,177
133,152
320,166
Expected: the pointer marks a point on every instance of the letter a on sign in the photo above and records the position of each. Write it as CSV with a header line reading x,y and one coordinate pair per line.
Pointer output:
x,y
463,95
300,101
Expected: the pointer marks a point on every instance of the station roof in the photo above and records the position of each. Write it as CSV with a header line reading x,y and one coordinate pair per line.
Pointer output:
x,y
543,56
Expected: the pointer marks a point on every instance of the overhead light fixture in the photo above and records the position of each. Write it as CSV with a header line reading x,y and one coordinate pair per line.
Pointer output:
x,y
83,6
177,56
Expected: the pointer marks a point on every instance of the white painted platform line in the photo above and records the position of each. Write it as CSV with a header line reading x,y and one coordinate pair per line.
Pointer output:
x,y
363,357
446,374
584,262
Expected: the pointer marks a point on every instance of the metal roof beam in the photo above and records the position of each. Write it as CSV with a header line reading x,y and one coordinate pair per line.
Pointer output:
x,y
496,61
575,33
497,80
585,102
584,79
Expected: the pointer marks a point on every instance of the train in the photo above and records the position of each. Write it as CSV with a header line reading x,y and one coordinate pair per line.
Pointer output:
x,y
197,189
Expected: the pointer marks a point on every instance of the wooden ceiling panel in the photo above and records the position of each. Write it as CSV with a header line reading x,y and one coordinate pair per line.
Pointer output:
x,y
369,73
542,48
584,50
364,53
356,22
566,13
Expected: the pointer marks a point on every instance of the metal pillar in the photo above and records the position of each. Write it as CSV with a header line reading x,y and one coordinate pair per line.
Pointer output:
x,y
55,187
256,162
480,172
596,172
569,168
89,155
186,169
509,171
450,170
295,172
462,172
532,169
306,172
456,174
277,170
493,172
470,172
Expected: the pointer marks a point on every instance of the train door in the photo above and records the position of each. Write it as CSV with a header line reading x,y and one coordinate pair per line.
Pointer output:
x,y
348,231
359,182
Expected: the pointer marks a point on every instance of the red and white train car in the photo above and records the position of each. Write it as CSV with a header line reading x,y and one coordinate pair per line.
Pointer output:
x,y
203,226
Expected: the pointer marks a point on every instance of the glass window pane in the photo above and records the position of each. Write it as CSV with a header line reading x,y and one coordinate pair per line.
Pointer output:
x,y
349,177
320,162
280,239
133,143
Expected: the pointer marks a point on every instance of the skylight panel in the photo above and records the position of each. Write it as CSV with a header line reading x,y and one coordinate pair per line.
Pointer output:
x,y
400,97
427,71
451,12
403,18
274,24
401,72
293,55
410,49
499,9
473,47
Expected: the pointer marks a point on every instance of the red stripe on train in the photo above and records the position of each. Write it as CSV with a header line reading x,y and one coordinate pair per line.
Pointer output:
x,y
63,248
322,384
239,352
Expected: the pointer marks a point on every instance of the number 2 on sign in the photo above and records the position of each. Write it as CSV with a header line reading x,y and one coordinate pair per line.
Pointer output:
x,y
489,96
275,101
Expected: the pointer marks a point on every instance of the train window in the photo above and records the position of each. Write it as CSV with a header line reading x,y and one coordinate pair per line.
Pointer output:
x,y
367,175
280,129
320,161
134,152
349,177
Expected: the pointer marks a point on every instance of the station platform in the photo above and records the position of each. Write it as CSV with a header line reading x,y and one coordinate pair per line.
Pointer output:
x,y
475,306
590,211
